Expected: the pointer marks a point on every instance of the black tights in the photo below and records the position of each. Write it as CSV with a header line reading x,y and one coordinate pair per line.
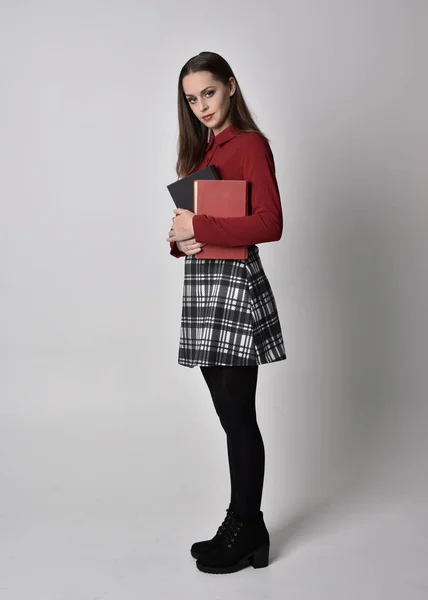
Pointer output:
x,y
233,390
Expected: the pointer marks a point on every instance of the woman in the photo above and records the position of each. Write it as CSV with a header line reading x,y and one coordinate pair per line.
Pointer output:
x,y
229,322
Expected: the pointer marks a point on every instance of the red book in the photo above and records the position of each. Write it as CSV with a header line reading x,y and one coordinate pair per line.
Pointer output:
x,y
221,198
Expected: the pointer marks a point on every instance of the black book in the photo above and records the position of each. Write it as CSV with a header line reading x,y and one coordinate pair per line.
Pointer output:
x,y
182,189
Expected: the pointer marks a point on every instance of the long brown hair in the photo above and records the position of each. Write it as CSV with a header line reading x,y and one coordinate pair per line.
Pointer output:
x,y
192,134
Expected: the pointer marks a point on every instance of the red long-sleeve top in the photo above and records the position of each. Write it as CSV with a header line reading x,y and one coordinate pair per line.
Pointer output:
x,y
241,155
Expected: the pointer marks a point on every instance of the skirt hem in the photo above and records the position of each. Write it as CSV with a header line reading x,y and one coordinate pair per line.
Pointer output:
x,y
233,364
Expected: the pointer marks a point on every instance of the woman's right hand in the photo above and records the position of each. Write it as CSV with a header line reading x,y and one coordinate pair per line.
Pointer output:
x,y
190,246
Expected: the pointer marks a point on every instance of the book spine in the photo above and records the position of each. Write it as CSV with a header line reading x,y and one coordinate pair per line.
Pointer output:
x,y
195,196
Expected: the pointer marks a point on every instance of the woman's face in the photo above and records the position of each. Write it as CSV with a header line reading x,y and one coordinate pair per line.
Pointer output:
x,y
207,96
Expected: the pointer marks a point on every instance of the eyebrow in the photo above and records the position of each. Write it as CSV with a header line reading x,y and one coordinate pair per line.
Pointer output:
x,y
204,90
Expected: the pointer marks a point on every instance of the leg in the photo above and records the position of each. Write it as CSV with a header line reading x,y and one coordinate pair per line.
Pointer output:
x,y
234,393
207,372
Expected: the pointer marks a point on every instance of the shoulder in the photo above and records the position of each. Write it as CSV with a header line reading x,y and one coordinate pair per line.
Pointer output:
x,y
254,148
253,143
252,138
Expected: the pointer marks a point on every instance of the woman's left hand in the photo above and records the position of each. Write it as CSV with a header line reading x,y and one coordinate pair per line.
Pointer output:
x,y
182,226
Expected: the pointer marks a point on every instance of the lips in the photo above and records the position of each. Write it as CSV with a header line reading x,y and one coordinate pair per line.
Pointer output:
x,y
207,117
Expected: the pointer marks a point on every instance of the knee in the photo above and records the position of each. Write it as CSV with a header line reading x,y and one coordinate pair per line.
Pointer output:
x,y
233,420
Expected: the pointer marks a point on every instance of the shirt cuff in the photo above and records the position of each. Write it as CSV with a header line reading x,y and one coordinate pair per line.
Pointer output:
x,y
174,251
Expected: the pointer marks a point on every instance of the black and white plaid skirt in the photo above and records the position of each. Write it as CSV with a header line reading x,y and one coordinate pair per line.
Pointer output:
x,y
229,314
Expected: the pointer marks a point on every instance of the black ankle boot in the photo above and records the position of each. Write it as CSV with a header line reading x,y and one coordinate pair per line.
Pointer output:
x,y
244,542
199,549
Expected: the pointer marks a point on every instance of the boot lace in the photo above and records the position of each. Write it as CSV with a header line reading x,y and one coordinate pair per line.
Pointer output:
x,y
233,528
223,527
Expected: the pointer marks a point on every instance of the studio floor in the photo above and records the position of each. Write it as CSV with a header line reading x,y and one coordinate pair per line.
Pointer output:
x,y
370,549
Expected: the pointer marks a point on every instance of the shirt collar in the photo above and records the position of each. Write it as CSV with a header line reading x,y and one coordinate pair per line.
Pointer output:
x,y
224,136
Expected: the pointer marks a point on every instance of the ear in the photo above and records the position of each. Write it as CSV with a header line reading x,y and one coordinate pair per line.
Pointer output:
x,y
232,86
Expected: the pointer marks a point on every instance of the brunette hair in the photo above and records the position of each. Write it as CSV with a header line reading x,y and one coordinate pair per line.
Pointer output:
x,y
192,134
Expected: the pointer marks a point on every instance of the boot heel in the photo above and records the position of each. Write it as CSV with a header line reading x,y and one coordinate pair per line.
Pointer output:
x,y
260,557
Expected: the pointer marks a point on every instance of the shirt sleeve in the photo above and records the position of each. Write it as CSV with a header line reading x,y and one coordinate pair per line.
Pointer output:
x,y
174,250
264,223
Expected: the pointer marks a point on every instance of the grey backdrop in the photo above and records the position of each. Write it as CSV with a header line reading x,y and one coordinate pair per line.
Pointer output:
x,y
112,458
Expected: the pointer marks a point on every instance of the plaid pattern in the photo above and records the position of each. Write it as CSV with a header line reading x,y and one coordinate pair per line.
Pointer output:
x,y
229,314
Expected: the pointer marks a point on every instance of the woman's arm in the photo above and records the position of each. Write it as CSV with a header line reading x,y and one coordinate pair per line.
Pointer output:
x,y
265,222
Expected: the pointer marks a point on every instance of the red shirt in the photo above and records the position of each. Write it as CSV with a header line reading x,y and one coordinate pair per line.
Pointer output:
x,y
241,155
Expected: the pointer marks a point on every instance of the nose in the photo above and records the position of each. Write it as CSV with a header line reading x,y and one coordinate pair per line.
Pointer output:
x,y
202,104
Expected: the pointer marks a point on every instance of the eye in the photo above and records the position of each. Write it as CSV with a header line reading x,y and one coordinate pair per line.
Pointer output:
x,y
211,92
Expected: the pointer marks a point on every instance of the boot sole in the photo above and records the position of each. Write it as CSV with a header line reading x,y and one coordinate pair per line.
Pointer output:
x,y
259,559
